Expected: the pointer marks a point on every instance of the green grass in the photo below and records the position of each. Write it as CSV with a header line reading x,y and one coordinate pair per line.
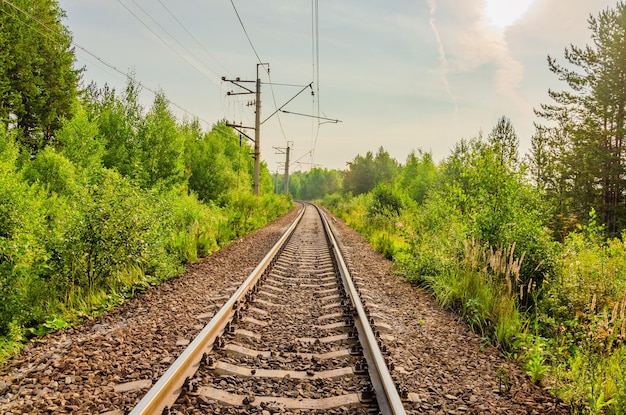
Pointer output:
x,y
572,337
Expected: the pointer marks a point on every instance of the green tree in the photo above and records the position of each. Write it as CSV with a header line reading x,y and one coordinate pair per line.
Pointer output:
x,y
119,121
364,173
296,179
386,168
505,141
53,171
20,217
161,147
318,183
38,83
552,177
210,170
418,175
591,118
80,140
386,201
496,205
359,178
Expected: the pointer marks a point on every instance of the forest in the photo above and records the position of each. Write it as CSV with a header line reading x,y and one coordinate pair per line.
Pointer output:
x,y
101,198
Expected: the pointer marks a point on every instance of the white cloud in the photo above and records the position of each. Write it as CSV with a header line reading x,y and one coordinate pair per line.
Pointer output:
x,y
473,44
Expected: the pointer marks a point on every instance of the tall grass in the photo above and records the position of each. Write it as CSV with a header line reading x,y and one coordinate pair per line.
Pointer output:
x,y
483,289
567,329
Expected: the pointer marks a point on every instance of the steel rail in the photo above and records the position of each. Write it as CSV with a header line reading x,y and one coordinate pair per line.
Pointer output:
x,y
167,389
389,401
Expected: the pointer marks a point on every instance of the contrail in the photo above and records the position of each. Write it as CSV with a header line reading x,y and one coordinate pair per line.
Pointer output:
x,y
442,56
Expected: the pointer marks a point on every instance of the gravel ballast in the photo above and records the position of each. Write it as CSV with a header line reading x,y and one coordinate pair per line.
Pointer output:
x,y
105,365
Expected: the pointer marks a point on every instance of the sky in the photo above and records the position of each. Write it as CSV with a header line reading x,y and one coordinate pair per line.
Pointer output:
x,y
405,74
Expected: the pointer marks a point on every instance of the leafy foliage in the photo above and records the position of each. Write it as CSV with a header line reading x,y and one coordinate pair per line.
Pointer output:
x,y
37,81
217,162
579,158
386,201
418,175
504,142
160,147
364,173
81,229
315,184
113,232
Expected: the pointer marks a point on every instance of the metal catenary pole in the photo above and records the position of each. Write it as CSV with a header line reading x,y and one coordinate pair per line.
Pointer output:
x,y
257,134
287,170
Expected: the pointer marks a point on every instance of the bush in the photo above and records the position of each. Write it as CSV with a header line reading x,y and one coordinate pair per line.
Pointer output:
x,y
115,229
77,237
386,201
21,255
53,172
194,226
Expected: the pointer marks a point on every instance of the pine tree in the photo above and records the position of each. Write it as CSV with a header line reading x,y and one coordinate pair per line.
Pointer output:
x,y
505,141
589,122
38,83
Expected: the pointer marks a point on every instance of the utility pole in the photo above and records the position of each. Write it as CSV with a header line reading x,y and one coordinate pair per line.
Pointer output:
x,y
287,170
285,150
257,121
257,134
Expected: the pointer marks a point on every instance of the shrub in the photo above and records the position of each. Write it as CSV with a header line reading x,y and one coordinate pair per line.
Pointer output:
x,y
21,255
114,230
194,226
52,171
386,201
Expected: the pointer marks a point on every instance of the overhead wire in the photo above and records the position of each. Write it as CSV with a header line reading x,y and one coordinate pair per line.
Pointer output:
x,y
260,62
313,96
178,42
172,36
316,58
180,23
245,31
85,50
209,54
166,43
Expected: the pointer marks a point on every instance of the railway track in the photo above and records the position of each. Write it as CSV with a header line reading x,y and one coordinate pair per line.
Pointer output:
x,y
294,338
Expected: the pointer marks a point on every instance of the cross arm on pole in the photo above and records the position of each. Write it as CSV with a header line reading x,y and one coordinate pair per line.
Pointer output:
x,y
238,128
285,104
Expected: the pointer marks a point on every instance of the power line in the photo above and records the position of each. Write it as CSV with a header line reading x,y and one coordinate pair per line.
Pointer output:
x,y
170,35
316,57
176,40
54,32
193,37
165,43
245,31
267,70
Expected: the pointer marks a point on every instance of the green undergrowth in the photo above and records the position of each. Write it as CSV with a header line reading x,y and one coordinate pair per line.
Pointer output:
x,y
122,201
67,298
558,309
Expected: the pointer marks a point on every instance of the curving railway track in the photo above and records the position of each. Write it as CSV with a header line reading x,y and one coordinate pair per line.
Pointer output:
x,y
294,337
